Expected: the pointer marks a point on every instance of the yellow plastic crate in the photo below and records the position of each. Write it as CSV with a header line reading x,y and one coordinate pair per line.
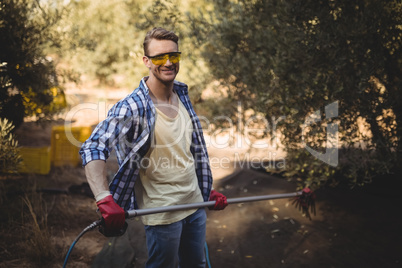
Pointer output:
x,y
35,160
66,142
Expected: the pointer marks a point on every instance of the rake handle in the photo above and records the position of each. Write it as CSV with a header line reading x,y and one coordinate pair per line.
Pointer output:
x,y
148,211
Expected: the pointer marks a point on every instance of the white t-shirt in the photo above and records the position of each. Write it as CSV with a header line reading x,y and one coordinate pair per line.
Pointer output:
x,y
167,175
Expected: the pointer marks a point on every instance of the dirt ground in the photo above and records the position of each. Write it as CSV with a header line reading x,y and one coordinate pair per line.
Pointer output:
x,y
352,228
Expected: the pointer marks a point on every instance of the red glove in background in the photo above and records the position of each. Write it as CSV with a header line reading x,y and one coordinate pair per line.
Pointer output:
x,y
113,215
220,199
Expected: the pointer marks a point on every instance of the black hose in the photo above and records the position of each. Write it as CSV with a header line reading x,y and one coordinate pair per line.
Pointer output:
x,y
88,228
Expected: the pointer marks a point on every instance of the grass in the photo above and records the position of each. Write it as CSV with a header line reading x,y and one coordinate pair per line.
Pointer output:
x,y
26,235
39,246
36,228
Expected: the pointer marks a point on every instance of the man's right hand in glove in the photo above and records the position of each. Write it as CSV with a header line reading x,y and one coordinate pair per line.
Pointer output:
x,y
113,215
114,222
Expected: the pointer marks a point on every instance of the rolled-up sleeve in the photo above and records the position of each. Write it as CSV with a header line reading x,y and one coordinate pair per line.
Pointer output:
x,y
113,132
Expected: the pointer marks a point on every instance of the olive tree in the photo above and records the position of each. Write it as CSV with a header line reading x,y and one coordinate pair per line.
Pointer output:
x,y
293,59
28,81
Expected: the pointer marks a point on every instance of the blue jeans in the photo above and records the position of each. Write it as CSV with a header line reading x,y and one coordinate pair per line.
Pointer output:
x,y
180,243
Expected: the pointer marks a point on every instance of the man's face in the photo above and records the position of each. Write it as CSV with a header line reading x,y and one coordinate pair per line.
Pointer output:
x,y
167,72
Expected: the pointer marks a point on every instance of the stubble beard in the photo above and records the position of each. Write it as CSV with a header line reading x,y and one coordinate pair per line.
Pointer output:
x,y
160,76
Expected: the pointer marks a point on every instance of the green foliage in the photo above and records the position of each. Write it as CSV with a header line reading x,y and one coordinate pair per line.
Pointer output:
x,y
283,59
177,15
100,41
357,167
89,41
286,58
103,40
10,158
27,76
307,169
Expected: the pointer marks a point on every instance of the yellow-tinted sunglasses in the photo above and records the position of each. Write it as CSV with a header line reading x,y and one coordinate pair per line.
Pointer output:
x,y
161,59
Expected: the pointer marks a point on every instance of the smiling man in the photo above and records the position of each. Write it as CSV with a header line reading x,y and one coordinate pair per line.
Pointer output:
x,y
162,159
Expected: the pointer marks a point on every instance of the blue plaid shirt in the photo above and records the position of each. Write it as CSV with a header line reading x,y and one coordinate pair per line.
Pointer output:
x,y
128,129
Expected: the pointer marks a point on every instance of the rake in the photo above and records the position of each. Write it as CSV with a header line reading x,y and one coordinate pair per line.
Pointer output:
x,y
303,199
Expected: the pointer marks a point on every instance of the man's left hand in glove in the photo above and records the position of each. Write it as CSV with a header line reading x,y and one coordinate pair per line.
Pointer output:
x,y
220,200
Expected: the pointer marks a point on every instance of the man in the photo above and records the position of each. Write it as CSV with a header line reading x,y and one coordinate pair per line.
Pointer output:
x,y
162,160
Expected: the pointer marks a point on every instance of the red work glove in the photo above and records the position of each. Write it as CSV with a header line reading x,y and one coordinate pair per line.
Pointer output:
x,y
220,199
113,216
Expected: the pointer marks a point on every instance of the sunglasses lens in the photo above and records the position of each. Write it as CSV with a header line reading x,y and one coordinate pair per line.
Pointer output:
x,y
174,57
162,59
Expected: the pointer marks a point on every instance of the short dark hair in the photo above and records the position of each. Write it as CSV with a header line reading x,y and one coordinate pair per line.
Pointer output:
x,y
159,33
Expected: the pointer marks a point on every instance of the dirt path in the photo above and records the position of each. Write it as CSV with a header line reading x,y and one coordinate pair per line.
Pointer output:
x,y
352,228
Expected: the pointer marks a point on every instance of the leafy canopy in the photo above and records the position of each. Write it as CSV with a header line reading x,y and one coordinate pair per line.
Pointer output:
x,y
290,59
28,81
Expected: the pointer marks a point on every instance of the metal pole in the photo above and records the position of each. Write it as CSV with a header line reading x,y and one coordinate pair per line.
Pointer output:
x,y
142,212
